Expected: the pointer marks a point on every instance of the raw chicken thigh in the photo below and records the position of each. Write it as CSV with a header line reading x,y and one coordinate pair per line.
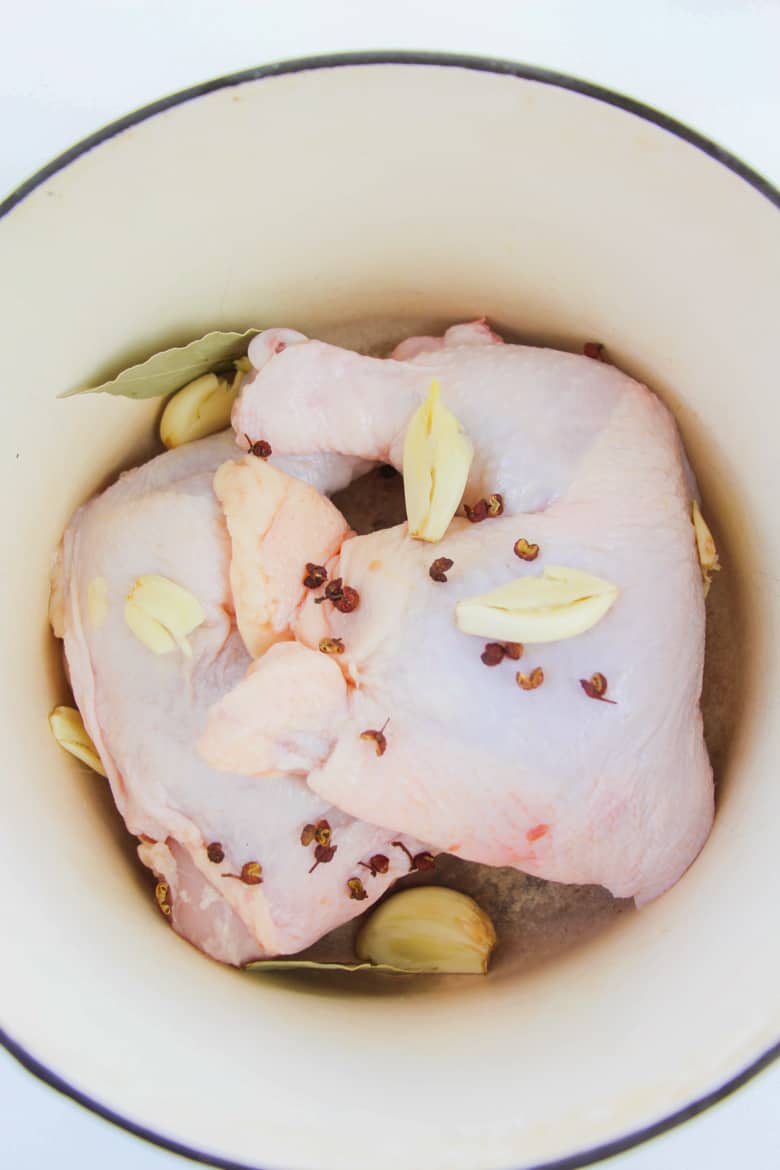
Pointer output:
x,y
550,780
201,830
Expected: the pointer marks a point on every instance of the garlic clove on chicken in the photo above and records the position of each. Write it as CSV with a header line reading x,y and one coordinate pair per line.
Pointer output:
x,y
436,461
161,614
560,603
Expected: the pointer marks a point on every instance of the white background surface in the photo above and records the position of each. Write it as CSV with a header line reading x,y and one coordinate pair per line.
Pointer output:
x,y
69,66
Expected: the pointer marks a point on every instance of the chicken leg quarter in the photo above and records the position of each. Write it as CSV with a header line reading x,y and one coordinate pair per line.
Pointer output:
x,y
551,781
199,829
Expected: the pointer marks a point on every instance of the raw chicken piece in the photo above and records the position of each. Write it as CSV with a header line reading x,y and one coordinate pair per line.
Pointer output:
x,y
301,692
551,781
276,525
471,333
145,711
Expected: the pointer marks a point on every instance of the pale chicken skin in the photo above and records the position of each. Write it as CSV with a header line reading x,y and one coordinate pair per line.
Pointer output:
x,y
551,781
145,711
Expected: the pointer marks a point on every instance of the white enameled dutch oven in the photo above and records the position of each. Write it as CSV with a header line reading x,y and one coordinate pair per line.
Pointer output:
x,y
387,192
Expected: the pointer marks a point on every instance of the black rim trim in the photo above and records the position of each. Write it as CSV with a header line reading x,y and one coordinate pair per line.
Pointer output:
x,y
453,60
570,1162
482,65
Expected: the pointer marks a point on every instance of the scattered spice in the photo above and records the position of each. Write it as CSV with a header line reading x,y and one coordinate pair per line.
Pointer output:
x,y
526,551
349,600
478,513
496,652
357,890
421,861
537,832
315,575
492,654
260,447
379,738
252,873
322,855
595,687
320,832
598,683
485,508
424,860
439,569
530,682
344,598
215,852
376,864
161,893
332,645
595,350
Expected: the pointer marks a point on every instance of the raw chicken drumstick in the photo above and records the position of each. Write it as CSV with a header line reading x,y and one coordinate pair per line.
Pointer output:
x,y
562,779
235,877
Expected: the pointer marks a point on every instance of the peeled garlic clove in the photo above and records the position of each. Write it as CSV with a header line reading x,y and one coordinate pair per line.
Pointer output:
x,y
560,603
161,614
705,546
199,409
154,634
68,729
437,458
429,928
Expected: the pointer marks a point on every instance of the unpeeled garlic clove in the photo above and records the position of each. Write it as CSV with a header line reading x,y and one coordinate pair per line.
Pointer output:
x,y
68,729
161,614
560,603
201,408
705,546
429,928
437,458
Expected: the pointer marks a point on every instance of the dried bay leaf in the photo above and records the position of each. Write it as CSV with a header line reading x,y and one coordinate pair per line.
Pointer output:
x,y
312,965
170,369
